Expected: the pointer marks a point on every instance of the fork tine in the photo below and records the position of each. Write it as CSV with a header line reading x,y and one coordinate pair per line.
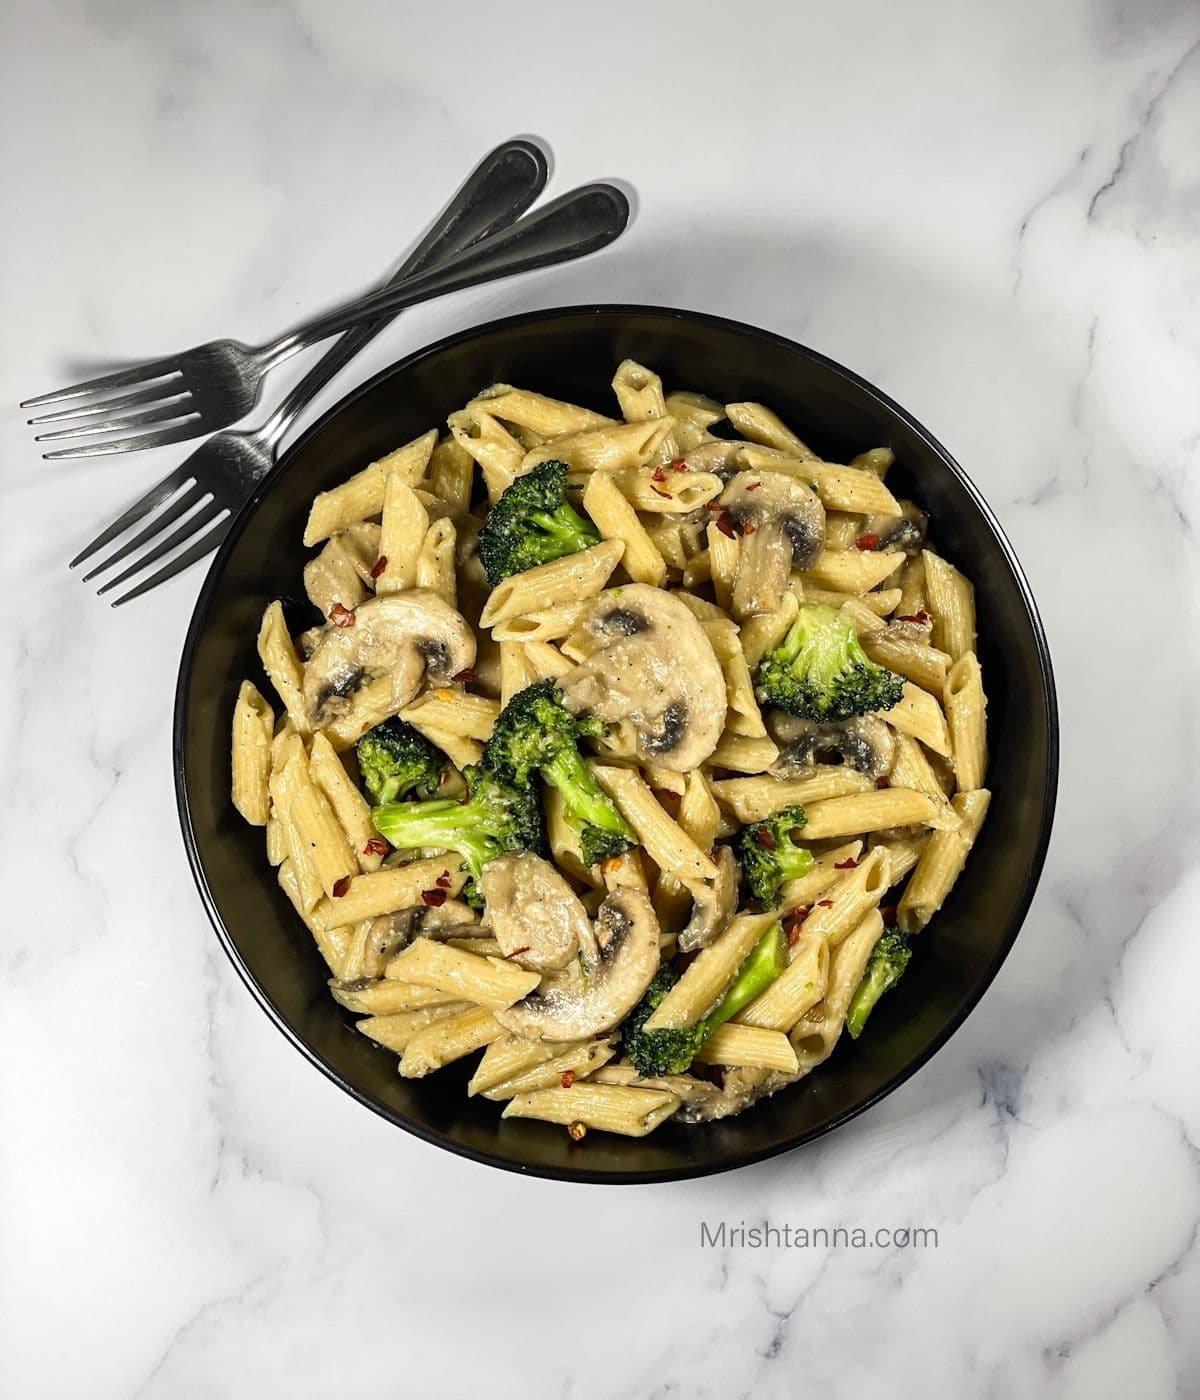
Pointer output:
x,y
166,413
164,547
141,507
203,546
179,506
189,428
89,410
152,369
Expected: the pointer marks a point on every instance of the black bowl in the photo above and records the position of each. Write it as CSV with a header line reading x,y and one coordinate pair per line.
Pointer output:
x,y
571,354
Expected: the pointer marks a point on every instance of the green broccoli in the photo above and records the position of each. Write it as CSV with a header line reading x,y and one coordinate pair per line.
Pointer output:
x,y
768,855
659,1052
533,523
537,733
494,817
888,959
396,761
820,671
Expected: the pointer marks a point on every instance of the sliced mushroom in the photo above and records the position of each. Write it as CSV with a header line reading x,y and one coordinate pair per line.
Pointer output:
x,y
714,906
783,528
739,1089
614,977
398,636
718,456
653,666
533,913
865,743
905,531
331,577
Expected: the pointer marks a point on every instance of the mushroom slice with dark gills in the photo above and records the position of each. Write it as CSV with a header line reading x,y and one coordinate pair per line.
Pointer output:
x,y
905,532
397,636
534,915
614,970
714,905
652,665
864,743
782,523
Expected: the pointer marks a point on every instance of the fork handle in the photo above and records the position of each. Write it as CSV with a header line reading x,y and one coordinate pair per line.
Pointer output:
x,y
577,223
495,194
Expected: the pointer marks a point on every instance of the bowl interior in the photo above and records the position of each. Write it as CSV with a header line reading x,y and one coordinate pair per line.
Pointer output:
x,y
572,354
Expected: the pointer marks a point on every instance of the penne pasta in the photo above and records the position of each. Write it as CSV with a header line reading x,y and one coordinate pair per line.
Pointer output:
x,y
942,862
447,1039
732,1044
486,981
253,729
665,841
614,516
609,1107
362,496
919,715
282,665
965,709
696,724
578,576
875,810
951,600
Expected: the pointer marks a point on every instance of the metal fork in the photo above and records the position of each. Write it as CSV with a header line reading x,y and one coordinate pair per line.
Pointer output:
x,y
213,385
219,476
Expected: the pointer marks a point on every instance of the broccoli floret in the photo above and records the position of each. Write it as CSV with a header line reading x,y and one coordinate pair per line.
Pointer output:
x,y
659,1052
888,959
533,523
494,817
821,672
536,733
768,855
395,761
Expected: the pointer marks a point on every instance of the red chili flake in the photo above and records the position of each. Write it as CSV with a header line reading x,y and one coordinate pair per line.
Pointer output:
x,y
867,541
824,903
680,465
434,898
465,676
659,474
850,864
749,527
376,846
342,617
881,782
725,525
380,565
666,495
921,617
568,1078
666,792
341,886
577,1131
713,505
764,838
753,485
443,881
793,935
801,911
516,952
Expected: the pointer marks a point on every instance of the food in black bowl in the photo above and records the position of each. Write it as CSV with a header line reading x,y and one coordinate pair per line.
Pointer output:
x,y
851,672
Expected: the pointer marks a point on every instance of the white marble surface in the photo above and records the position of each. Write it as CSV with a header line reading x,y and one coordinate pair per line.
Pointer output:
x,y
989,209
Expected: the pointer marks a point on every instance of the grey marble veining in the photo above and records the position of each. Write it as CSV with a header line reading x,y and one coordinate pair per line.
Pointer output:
x,y
992,211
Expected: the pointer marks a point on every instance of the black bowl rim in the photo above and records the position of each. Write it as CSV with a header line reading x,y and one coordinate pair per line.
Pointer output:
x,y
583,1175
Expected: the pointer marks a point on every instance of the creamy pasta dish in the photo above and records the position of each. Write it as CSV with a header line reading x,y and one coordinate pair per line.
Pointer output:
x,y
631,755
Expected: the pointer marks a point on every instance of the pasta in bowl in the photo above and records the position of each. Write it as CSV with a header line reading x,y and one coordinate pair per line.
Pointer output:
x,y
633,754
